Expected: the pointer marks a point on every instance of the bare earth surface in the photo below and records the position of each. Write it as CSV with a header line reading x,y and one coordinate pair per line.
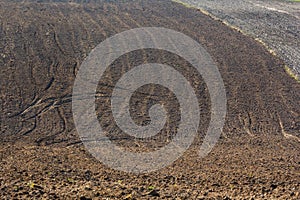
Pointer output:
x,y
275,22
42,47
244,168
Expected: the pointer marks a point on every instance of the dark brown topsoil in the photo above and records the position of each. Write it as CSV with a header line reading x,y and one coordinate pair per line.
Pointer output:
x,y
41,48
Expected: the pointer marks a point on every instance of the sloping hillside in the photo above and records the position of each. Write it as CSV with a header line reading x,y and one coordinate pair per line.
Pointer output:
x,y
43,46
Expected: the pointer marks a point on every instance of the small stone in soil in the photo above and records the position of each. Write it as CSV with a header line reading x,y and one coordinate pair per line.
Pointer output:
x,y
154,193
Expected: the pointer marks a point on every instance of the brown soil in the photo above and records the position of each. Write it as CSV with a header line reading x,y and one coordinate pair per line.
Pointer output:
x,y
42,46
244,168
